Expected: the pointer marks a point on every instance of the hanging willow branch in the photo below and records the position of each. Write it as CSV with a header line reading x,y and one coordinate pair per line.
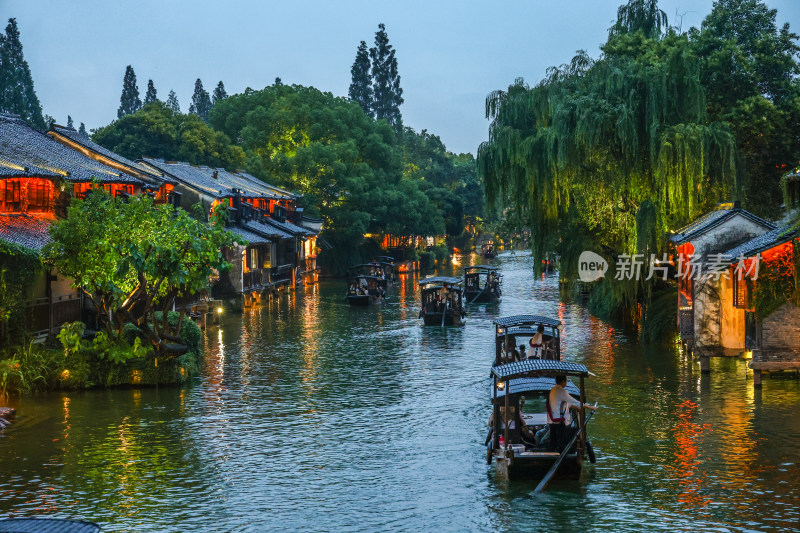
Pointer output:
x,y
595,140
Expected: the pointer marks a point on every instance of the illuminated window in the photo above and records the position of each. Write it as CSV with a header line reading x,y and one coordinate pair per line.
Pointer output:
x,y
12,195
254,258
39,195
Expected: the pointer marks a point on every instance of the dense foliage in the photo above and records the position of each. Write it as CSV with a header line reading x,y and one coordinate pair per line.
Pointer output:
x,y
18,268
157,131
609,154
348,166
17,95
778,281
134,259
749,68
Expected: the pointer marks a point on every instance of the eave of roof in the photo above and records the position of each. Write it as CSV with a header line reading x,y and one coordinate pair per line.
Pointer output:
x,y
762,243
71,136
28,230
535,367
22,147
711,220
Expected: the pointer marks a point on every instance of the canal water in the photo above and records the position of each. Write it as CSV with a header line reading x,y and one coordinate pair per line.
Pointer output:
x,y
310,415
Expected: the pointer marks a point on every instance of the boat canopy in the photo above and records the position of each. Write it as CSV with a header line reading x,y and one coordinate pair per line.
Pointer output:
x,y
532,367
442,280
385,258
366,265
366,276
488,268
526,320
535,385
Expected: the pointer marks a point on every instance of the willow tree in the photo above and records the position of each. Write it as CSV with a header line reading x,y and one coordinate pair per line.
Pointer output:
x,y
610,153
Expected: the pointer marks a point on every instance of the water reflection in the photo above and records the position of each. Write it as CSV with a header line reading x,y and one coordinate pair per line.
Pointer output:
x,y
312,415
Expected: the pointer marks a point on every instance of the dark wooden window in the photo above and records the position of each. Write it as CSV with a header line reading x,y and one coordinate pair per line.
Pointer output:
x,y
38,196
740,293
12,195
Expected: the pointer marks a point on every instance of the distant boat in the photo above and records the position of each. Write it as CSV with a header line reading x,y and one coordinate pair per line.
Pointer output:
x,y
363,289
442,301
482,284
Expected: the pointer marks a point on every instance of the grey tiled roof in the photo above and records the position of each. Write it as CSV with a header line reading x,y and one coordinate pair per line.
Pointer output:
x,y
541,384
267,230
202,178
25,151
249,236
713,219
86,142
535,366
289,228
28,230
282,193
762,242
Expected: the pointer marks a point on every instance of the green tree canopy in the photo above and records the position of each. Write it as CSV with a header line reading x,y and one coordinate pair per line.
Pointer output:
x,y
16,83
219,93
172,102
129,101
361,81
749,68
133,258
386,92
151,95
157,131
201,101
347,165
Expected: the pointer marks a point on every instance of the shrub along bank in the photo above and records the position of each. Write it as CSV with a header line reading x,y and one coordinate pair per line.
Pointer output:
x,y
78,362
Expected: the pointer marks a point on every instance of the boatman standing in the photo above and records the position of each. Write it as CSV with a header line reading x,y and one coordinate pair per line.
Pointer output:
x,y
559,417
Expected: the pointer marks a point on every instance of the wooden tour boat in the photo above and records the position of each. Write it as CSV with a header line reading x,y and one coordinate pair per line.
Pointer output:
x,y
512,332
482,284
363,289
373,269
389,267
442,301
523,449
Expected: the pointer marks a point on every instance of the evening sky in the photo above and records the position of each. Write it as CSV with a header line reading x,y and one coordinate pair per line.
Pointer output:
x,y
450,54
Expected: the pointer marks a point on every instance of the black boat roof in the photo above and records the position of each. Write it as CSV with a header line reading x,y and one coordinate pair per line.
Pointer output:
x,y
481,267
526,320
365,276
538,384
532,367
441,279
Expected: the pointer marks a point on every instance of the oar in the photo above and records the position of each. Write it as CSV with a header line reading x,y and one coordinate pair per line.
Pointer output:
x,y
550,473
444,312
